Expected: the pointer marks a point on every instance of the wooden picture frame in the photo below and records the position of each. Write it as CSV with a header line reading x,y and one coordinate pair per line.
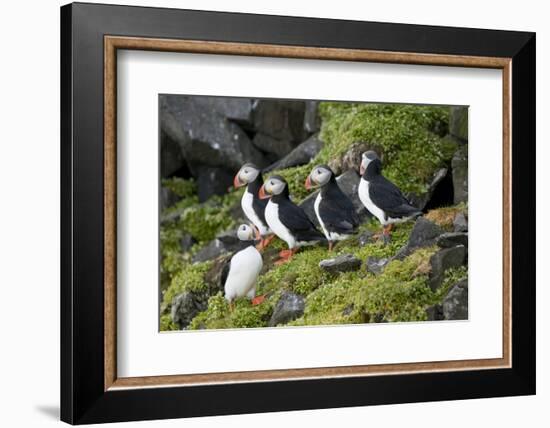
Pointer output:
x,y
91,390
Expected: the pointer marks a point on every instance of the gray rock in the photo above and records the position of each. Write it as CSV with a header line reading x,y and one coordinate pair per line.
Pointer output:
x,y
235,109
171,159
302,154
312,120
186,242
213,249
226,242
212,181
351,159
268,144
376,265
458,123
289,307
460,223
167,198
172,216
455,304
186,306
367,237
459,165
444,259
205,137
343,263
424,233
281,119
348,183
452,239
434,312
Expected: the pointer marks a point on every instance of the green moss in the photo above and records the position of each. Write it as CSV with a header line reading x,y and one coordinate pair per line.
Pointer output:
x,y
182,188
452,276
405,135
220,316
302,275
166,323
190,277
400,293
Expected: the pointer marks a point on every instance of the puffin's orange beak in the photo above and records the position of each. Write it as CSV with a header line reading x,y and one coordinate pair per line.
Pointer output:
x,y
262,193
308,183
237,182
257,235
361,169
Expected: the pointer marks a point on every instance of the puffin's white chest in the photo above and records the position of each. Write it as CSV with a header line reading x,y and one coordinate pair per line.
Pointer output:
x,y
274,223
243,273
316,205
248,209
364,196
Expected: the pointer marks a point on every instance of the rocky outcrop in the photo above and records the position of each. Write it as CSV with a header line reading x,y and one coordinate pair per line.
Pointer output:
x,y
167,198
455,304
458,123
444,259
207,139
227,242
300,155
351,159
452,239
312,121
376,265
289,307
186,306
460,223
343,263
460,174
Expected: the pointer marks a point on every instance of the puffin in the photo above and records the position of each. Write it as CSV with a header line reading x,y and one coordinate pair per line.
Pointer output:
x,y
333,208
240,274
381,197
253,207
286,219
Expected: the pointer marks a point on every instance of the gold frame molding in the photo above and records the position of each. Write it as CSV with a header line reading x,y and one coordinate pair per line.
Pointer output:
x,y
113,43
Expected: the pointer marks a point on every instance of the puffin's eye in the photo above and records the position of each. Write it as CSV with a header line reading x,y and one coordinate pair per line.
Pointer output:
x,y
246,171
318,172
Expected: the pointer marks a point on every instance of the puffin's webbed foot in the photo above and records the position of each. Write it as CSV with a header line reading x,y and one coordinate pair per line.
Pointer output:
x,y
285,256
257,300
265,242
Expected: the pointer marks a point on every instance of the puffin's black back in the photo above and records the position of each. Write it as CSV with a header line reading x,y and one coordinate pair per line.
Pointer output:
x,y
295,219
336,209
386,195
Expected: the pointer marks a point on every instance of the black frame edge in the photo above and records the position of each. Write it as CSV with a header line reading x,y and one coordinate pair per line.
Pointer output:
x,y
83,399
66,318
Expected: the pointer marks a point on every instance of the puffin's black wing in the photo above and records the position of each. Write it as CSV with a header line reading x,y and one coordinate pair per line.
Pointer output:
x,y
259,207
389,198
225,272
338,214
297,221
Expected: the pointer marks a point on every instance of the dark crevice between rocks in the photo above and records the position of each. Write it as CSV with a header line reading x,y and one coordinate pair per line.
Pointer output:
x,y
443,194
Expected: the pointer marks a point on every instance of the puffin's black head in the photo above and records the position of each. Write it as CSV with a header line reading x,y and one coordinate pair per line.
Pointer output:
x,y
319,176
370,158
247,174
248,232
274,185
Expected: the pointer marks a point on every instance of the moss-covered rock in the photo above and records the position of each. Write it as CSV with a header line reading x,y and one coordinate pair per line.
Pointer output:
x,y
409,138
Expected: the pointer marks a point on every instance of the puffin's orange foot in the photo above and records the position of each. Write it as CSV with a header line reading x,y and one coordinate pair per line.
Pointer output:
x,y
257,300
285,255
267,241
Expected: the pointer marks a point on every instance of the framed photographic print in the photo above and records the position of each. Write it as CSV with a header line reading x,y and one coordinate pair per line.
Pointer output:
x,y
272,213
